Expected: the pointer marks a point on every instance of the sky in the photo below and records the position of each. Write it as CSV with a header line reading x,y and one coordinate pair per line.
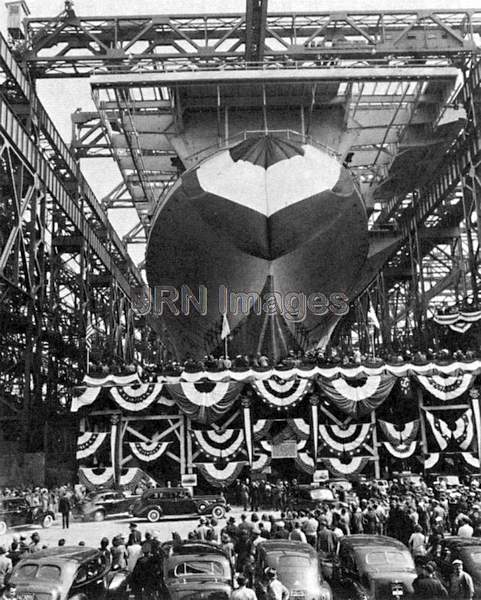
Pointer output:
x,y
61,97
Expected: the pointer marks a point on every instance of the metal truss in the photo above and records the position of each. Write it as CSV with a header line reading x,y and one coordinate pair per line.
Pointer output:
x,y
74,46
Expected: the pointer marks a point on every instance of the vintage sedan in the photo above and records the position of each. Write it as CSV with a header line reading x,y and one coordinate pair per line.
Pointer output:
x,y
17,511
107,503
162,502
373,567
196,570
68,572
458,548
297,566
310,497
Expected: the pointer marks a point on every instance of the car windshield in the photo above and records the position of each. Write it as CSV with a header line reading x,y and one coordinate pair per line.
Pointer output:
x,y
392,558
321,494
297,571
33,571
200,567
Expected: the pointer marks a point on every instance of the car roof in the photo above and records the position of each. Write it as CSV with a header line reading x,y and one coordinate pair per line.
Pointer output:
x,y
288,546
194,547
462,541
361,540
64,553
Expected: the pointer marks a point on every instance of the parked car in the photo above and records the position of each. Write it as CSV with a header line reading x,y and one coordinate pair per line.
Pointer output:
x,y
373,567
107,503
297,566
196,570
309,497
68,572
161,502
17,511
466,549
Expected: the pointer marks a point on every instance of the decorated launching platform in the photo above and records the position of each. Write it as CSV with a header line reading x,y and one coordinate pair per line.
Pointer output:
x,y
350,420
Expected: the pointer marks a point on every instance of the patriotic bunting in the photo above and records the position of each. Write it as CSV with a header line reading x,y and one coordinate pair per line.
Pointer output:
x,y
140,397
88,443
261,428
220,477
361,399
205,401
397,435
402,450
470,459
460,322
148,451
462,433
109,380
431,460
91,480
446,388
300,427
341,469
340,440
305,462
280,393
86,398
260,462
224,444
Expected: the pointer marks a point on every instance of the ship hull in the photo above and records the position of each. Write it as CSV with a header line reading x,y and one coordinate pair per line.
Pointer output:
x,y
310,252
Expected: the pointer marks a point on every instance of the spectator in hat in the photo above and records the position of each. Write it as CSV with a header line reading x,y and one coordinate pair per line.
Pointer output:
x,y
275,590
426,586
243,592
9,592
297,534
135,537
119,553
202,529
465,529
461,585
61,542
34,545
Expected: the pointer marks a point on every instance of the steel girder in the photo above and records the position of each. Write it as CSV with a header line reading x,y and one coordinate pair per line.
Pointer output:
x,y
73,46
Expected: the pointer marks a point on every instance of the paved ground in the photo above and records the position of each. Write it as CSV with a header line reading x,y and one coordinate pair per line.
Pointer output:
x,y
91,532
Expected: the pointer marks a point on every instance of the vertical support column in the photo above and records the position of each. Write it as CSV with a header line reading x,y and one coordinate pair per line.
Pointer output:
x,y
116,439
188,427
422,421
474,397
375,445
182,453
314,400
246,409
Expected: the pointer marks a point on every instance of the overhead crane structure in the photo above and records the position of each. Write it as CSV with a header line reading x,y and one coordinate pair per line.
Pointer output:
x,y
403,90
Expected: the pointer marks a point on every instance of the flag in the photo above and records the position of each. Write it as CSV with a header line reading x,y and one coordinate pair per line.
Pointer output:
x,y
225,327
89,333
372,317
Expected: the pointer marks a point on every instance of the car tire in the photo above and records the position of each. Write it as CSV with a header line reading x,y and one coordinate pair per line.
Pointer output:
x,y
99,515
218,512
3,527
153,515
47,521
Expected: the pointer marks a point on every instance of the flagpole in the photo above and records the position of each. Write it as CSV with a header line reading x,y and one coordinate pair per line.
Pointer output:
x,y
226,354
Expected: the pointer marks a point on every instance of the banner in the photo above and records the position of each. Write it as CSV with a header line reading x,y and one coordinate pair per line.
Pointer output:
x,y
446,388
140,397
470,459
261,428
105,479
205,401
460,322
340,469
358,400
109,380
400,434
462,433
217,445
280,393
148,451
261,461
220,477
431,460
86,398
305,462
402,450
349,439
88,443
300,427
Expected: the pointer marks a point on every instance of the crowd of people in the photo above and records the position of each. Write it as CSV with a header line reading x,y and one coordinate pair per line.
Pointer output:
x,y
408,510
334,356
